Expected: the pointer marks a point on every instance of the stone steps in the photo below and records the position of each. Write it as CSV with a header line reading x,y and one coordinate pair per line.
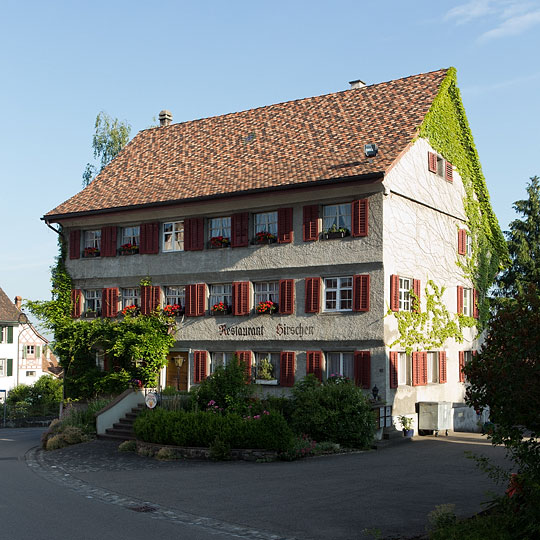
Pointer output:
x,y
123,429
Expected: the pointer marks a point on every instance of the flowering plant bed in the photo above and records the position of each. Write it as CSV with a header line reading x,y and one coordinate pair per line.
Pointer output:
x,y
172,310
91,252
217,242
266,308
128,249
130,310
265,237
220,309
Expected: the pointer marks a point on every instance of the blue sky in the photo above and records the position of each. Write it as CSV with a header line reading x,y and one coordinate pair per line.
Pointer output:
x,y
64,62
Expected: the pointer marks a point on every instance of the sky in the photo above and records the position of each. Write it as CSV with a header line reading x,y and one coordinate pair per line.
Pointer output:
x,y
62,62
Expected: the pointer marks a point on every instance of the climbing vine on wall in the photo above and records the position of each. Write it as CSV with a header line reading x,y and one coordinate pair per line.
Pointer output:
x,y
447,129
428,329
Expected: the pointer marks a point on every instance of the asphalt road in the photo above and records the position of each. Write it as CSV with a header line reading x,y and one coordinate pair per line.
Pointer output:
x,y
93,491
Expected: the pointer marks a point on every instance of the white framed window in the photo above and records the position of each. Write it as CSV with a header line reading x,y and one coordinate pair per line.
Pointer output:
x,y
131,297
92,300
266,222
219,359
30,373
404,368
219,226
3,369
467,302
30,350
130,235
405,285
267,366
175,294
336,216
338,294
340,363
266,290
220,293
432,367
173,236
92,239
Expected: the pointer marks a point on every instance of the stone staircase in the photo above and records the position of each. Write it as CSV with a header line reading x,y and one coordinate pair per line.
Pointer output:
x,y
123,429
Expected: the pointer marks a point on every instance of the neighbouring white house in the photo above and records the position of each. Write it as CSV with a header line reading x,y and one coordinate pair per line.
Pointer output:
x,y
24,353
296,236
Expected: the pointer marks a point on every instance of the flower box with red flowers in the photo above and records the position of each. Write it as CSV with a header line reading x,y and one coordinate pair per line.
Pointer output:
x,y
172,310
128,249
266,308
130,310
217,242
91,252
220,309
265,237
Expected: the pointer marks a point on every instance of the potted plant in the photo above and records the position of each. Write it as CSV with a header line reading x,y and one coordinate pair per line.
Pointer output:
x,y
217,242
221,308
406,425
266,308
265,372
91,252
128,249
265,237
335,232
172,310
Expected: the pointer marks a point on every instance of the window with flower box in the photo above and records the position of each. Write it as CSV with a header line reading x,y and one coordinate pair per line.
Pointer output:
x,y
219,232
173,236
267,367
338,294
336,220
175,295
92,301
220,359
340,363
130,297
220,298
266,227
130,240
266,296
92,243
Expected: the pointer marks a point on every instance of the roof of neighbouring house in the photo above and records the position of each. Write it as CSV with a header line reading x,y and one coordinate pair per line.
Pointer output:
x,y
287,144
8,310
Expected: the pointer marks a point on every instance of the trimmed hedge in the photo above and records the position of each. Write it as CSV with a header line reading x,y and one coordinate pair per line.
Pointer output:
x,y
180,428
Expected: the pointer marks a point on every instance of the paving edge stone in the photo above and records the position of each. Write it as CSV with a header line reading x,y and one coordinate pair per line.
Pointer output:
x,y
35,460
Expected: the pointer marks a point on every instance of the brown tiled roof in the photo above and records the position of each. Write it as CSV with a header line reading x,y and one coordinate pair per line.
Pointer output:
x,y
8,311
297,142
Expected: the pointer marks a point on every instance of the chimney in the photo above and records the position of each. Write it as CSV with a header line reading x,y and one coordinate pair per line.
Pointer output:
x,y
18,302
165,118
357,84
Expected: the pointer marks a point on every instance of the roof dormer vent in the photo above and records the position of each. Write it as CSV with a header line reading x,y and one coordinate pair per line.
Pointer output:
x,y
165,118
357,84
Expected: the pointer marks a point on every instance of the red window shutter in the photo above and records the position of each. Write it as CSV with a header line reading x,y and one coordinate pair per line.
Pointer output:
x,y
149,241
432,162
361,292
244,357
150,298
462,242
285,226
461,366
475,303
442,367
393,369
74,244
394,292
314,363
240,230
313,295
109,302
199,366
108,241
362,369
286,369
360,217
76,303
423,368
448,171
311,223
459,299
193,234
195,300
286,296
240,296
417,287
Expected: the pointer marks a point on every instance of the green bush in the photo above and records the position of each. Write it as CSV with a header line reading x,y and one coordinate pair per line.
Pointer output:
x,y
40,399
113,383
268,431
335,411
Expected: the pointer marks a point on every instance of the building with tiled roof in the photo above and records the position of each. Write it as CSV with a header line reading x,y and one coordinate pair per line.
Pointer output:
x,y
327,210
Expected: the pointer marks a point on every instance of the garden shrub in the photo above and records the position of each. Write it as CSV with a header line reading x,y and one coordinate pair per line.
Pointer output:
x,y
39,399
127,446
335,411
114,382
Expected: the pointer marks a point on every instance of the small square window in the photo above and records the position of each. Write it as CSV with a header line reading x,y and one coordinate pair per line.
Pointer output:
x,y
336,217
221,293
266,291
30,350
130,236
266,366
92,243
219,230
131,297
175,295
340,363
173,236
30,373
338,294
266,223
220,359
92,299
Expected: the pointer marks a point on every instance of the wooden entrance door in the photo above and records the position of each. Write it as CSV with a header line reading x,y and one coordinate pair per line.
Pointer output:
x,y
177,370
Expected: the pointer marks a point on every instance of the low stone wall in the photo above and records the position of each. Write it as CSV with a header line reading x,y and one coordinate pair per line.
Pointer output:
x,y
195,452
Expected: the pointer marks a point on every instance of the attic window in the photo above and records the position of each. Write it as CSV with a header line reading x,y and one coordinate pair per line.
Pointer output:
x,y
438,165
